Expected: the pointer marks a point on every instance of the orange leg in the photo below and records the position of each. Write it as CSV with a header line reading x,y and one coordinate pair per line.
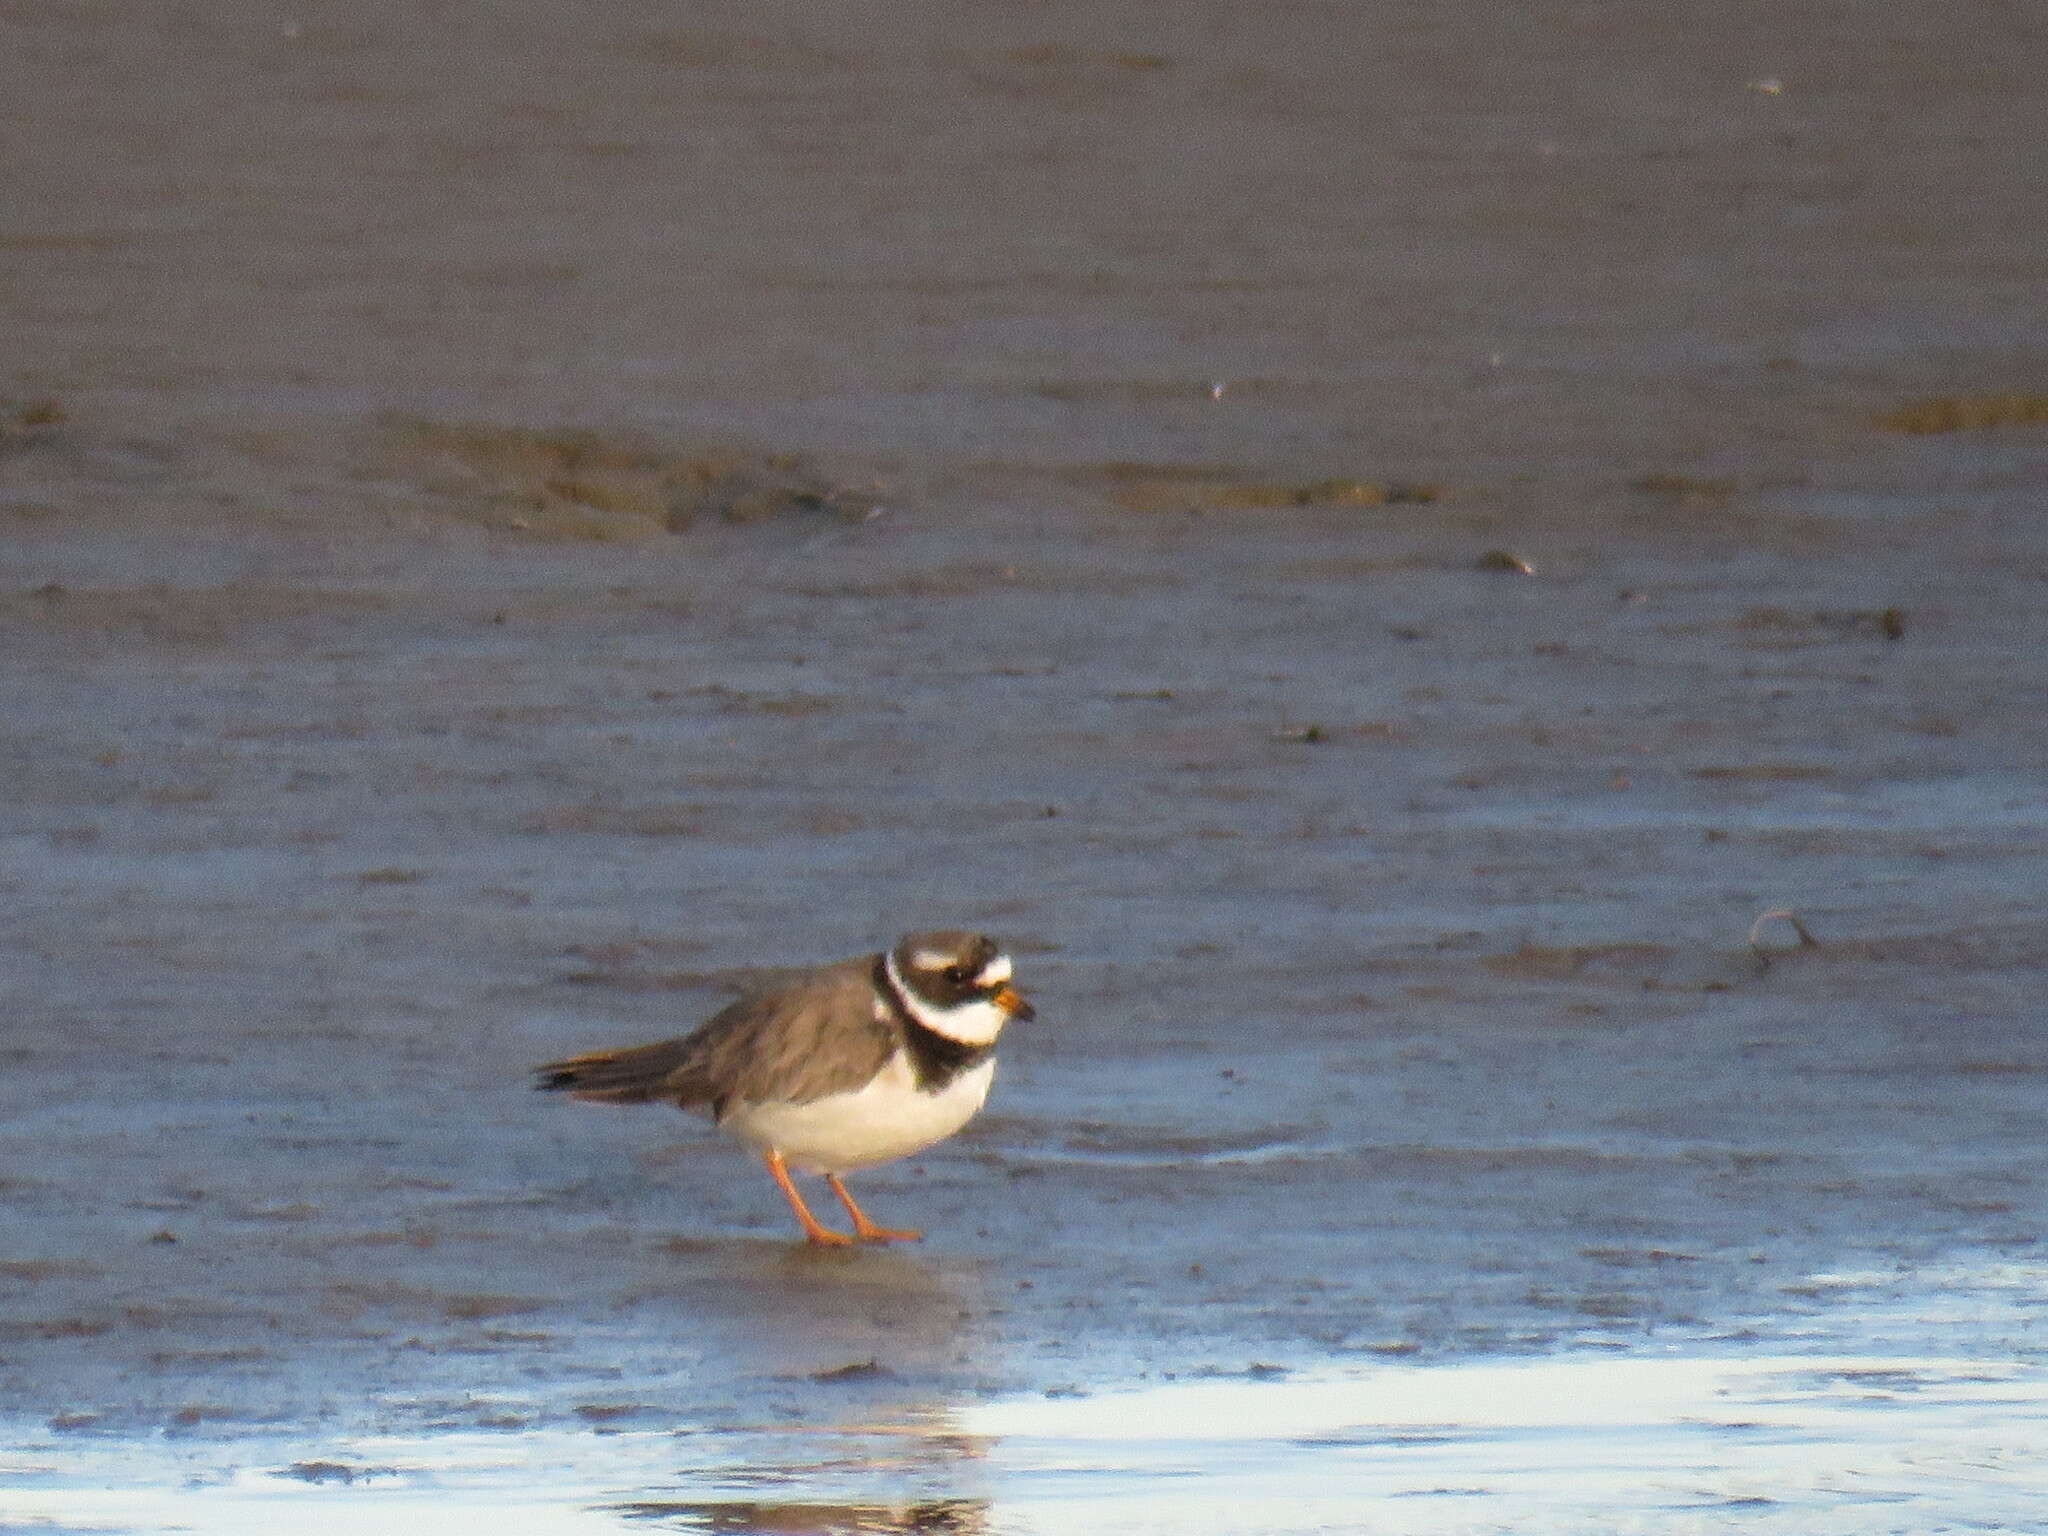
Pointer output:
x,y
864,1229
812,1230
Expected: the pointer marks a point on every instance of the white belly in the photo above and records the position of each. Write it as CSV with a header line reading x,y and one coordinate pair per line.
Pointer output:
x,y
889,1118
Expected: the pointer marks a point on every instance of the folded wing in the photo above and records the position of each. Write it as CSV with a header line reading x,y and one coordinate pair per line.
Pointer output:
x,y
791,1045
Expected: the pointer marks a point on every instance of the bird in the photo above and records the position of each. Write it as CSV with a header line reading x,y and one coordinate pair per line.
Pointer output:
x,y
838,1068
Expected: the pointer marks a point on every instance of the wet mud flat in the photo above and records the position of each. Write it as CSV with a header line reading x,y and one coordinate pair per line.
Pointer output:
x,y
519,534
1389,914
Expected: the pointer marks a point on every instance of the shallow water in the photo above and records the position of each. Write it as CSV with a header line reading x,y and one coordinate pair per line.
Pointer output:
x,y
1779,1435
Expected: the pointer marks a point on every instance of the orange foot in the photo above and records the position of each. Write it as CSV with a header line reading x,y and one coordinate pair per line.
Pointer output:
x,y
823,1236
874,1234
864,1229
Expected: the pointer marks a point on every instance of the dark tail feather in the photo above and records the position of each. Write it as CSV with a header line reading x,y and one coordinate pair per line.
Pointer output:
x,y
638,1075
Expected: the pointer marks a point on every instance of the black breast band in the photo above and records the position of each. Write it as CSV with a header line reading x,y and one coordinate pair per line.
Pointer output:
x,y
935,1059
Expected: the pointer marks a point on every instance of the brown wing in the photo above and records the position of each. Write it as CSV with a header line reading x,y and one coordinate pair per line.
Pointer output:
x,y
794,1043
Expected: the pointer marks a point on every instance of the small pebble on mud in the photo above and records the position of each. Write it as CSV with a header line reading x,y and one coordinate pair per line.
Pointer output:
x,y
1502,560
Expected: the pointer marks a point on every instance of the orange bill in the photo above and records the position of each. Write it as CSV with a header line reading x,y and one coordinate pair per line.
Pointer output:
x,y
1011,1001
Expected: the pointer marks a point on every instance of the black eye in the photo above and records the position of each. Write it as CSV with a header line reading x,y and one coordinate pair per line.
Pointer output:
x,y
957,974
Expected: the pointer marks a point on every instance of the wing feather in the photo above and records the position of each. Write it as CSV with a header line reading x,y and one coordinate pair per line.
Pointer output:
x,y
795,1043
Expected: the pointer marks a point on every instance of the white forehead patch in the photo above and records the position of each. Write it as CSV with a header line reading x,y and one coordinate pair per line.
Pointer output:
x,y
972,1023
995,973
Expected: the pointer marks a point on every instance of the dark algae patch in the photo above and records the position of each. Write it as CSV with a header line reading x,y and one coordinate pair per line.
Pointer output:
x,y
575,483
1966,413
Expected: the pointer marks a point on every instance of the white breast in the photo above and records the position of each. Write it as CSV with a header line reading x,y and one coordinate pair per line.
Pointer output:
x,y
889,1118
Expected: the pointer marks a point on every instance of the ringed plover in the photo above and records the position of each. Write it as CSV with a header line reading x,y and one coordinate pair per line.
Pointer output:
x,y
841,1067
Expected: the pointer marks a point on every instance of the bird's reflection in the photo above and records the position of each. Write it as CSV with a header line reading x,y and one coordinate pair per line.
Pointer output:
x,y
793,1311
849,1479
847,1371
953,1517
